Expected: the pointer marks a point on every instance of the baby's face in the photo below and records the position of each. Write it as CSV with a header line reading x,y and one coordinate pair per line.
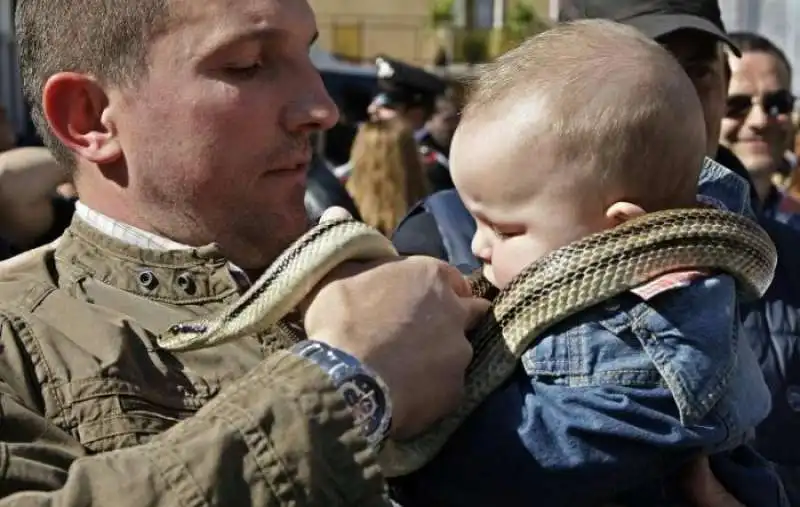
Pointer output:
x,y
525,206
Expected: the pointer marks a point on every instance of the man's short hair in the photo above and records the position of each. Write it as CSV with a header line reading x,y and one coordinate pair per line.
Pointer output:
x,y
614,101
749,42
106,39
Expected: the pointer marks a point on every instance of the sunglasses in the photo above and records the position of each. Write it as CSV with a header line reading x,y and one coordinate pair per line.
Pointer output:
x,y
773,103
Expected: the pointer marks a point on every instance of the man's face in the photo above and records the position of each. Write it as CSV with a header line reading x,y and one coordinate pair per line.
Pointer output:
x,y
703,59
758,121
413,116
216,136
379,112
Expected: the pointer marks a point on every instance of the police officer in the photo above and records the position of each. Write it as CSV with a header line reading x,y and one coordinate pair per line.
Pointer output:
x,y
410,93
414,94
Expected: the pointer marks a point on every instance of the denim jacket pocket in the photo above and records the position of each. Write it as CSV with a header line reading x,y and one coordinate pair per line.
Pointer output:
x,y
691,335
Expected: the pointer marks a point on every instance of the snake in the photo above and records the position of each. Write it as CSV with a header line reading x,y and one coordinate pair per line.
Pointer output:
x,y
566,281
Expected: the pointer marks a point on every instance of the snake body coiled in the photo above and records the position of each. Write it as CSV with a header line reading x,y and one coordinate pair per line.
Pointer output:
x,y
563,283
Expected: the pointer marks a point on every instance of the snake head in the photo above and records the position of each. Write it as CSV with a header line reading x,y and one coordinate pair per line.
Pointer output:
x,y
187,328
182,336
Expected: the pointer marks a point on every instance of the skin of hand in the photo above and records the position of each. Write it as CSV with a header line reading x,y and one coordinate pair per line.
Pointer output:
x,y
29,178
406,319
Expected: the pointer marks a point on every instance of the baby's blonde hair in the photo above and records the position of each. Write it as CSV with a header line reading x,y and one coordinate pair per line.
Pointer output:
x,y
615,103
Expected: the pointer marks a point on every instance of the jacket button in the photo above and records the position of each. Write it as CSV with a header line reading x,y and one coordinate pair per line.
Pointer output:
x,y
187,284
147,280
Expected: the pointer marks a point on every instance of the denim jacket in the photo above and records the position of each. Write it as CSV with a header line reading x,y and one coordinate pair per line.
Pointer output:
x,y
611,402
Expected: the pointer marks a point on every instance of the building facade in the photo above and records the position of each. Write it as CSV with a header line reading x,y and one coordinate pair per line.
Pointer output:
x,y
361,29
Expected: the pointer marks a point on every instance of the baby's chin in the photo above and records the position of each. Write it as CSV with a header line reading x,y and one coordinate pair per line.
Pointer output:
x,y
490,275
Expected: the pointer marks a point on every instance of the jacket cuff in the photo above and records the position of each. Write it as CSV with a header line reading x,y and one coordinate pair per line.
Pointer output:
x,y
313,447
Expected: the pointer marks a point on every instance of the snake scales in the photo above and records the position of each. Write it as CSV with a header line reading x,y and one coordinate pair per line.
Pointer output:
x,y
563,283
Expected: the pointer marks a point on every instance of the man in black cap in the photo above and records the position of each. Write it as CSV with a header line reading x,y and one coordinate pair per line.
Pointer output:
x,y
416,96
691,30
654,18
410,93
406,91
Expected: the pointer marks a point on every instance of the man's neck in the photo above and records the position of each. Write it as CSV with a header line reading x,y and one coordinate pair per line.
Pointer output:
x,y
148,240
125,231
107,199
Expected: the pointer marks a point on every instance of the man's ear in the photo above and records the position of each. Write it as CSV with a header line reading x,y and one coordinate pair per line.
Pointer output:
x,y
79,113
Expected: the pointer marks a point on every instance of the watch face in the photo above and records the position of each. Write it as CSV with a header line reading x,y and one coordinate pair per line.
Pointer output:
x,y
367,401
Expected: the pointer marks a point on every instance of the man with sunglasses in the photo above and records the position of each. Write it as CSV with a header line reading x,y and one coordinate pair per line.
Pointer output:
x,y
757,126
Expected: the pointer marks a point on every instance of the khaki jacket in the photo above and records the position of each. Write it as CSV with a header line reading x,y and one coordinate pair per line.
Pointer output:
x,y
93,413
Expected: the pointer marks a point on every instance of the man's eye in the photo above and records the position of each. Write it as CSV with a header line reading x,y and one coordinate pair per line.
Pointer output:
x,y
244,71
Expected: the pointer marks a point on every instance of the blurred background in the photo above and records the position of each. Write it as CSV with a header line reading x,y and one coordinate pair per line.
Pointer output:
x,y
448,34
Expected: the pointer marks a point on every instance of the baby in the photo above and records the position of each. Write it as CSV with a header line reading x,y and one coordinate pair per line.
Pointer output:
x,y
580,129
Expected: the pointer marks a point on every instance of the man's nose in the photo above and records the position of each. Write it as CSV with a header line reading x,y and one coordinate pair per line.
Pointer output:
x,y
757,118
312,109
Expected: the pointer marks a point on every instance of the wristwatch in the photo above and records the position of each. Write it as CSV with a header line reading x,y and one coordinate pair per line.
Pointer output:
x,y
363,390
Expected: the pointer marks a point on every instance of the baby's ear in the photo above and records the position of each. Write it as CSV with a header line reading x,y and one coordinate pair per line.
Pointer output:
x,y
621,212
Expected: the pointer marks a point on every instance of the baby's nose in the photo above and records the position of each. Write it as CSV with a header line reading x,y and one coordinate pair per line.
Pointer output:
x,y
481,248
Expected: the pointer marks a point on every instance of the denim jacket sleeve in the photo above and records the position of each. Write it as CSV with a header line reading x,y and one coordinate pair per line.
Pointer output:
x,y
618,395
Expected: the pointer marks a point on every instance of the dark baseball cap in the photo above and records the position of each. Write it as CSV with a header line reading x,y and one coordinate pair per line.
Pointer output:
x,y
654,18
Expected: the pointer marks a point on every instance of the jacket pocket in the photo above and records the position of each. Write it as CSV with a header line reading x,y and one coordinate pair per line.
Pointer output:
x,y
109,414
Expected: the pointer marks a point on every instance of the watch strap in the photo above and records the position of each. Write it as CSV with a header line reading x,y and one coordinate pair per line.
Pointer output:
x,y
362,389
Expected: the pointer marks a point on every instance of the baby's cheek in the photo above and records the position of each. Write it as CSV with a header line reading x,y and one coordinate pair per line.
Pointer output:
x,y
507,263
488,273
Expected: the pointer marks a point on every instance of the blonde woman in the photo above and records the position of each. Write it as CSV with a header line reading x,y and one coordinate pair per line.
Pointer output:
x,y
387,176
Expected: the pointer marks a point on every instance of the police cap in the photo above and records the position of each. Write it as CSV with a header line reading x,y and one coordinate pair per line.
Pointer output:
x,y
402,82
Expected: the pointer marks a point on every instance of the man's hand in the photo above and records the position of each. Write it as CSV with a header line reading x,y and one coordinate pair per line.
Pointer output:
x,y
29,178
406,319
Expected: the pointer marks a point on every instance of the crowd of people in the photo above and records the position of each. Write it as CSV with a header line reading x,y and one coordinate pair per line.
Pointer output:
x,y
177,162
